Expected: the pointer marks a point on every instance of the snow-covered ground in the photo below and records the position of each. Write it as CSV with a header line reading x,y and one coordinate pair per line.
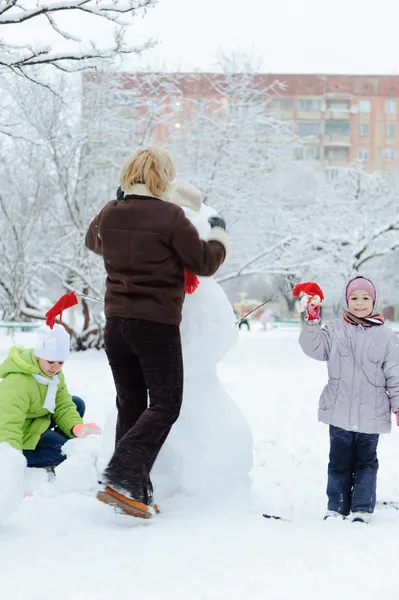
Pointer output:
x,y
70,547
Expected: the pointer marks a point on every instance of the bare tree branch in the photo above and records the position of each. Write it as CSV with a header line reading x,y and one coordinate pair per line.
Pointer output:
x,y
24,59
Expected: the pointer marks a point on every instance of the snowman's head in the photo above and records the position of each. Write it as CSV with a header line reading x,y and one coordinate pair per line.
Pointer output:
x,y
184,194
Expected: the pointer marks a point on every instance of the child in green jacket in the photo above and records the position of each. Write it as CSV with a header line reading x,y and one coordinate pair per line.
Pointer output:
x,y
37,413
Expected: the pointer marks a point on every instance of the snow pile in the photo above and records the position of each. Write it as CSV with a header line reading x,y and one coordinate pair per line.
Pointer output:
x,y
79,473
190,551
36,481
12,470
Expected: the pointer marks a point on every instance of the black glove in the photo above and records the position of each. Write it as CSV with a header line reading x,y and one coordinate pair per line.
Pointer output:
x,y
217,222
120,194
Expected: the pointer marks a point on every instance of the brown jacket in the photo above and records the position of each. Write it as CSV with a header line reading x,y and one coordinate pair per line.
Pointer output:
x,y
146,242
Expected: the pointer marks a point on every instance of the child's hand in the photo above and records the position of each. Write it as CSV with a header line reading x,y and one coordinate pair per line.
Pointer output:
x,y
85,429
397,418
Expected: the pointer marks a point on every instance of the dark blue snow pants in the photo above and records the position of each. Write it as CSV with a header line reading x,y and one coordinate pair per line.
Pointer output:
x,y
352,471
48,451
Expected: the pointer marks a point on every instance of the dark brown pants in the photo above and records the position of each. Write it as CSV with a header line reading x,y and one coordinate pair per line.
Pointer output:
x,y
146,360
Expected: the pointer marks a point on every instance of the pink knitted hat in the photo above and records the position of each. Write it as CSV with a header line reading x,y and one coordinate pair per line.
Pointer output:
x,y
360,283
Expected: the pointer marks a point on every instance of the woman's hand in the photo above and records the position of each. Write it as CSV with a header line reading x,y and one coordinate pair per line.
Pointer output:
x,y
217,222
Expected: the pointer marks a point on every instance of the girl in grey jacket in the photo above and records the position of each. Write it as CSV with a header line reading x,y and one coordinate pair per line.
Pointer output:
x,y
362,356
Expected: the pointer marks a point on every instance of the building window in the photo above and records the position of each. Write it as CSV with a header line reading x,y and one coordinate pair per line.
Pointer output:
x,y
390,130
308,152
338,105
389,154
286,103
338,127
363,154
338,153
309,104
307,129
364,106
363,130
390,107
283,104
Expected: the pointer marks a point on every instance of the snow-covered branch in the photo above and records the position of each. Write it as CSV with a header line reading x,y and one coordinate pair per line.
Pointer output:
x,y
68,52
243,268
111,11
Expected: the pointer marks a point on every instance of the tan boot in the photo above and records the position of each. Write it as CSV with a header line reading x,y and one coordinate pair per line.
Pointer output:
x,y
130,507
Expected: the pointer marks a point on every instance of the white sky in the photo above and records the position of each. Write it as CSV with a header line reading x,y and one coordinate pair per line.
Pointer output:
x,y
341,36
325,36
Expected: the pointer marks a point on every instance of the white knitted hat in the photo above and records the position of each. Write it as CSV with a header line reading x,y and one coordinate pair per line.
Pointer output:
x,y
52,344
184,194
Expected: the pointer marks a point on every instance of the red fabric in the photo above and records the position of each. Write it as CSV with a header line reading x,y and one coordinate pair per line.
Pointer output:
x,y
66,301
310,288
312,312
191,282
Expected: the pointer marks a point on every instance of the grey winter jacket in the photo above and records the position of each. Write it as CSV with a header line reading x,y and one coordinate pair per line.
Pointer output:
x,y
363,374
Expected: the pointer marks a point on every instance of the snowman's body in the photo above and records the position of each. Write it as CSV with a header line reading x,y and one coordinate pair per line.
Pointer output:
x,y
209,449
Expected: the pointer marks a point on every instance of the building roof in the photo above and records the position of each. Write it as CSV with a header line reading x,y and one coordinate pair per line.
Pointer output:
x,y
204,84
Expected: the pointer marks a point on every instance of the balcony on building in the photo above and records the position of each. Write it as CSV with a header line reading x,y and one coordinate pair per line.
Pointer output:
x,y
309,109
337,133
336,156
339,108
308,152
281,108
308,130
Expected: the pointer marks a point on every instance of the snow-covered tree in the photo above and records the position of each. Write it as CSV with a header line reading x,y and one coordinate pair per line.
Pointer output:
x,y
229,144
67,36
123,112
43,210
61,164
353,220
73,164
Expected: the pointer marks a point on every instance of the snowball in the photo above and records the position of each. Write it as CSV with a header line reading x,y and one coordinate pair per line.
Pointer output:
x,y
78,473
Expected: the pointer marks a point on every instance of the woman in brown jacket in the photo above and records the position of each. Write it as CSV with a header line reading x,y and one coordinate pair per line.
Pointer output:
x,y
146,243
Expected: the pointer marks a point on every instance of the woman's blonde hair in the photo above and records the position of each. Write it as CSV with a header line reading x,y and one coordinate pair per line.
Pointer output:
x,y
152,166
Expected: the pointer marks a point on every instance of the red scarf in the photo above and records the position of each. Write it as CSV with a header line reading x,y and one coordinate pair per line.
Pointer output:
x,y
375,319
191,282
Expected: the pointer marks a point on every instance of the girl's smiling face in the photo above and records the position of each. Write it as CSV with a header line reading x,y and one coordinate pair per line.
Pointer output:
x,y
360,303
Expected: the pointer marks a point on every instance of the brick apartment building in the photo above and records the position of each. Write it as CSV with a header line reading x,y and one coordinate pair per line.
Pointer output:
x,y
339,119
343,118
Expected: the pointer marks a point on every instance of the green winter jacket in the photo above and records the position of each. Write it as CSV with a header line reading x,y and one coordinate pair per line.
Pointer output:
x,y
23,420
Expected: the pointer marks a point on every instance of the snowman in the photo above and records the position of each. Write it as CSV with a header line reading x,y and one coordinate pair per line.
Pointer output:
x,y
208,452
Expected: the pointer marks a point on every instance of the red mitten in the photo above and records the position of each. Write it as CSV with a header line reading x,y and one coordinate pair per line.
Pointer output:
x,y
397,418
313,296
312,311
310,288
